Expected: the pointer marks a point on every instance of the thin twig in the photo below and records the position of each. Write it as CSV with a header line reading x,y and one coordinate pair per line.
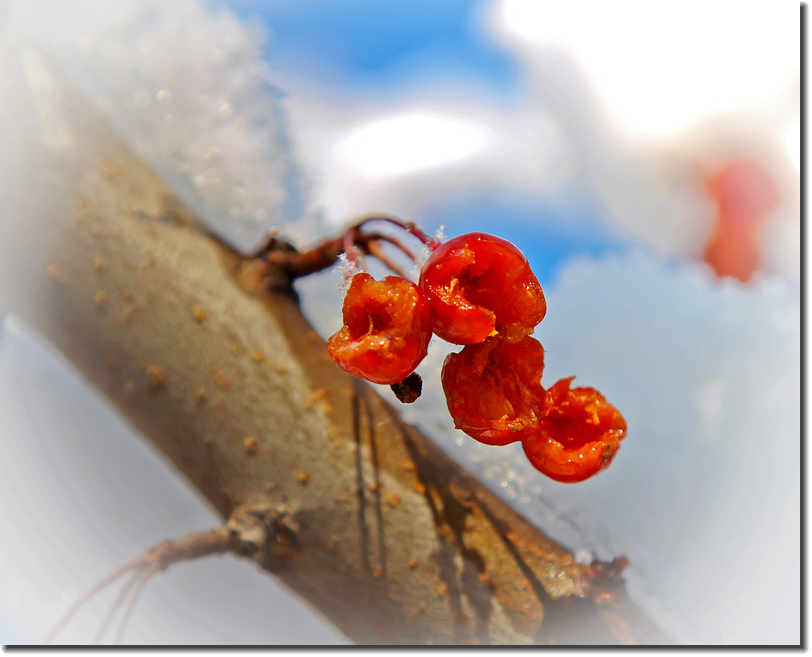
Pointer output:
x,y
381,237
114,607
405,224
113,575
285,264
375,250
160,557
350,246
145,574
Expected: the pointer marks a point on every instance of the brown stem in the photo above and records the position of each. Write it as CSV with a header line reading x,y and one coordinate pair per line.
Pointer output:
x,y
407,225
237,536
380,237
350,249
375,250
112,576
284,263
140,580
115,606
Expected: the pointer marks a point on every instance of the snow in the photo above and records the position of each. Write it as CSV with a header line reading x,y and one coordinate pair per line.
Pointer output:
x,y
703,63
190,93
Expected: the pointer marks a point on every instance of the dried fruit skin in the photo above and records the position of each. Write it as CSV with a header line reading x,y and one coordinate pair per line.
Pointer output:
x,y
386,332
578,436
408,391
493,389
478,286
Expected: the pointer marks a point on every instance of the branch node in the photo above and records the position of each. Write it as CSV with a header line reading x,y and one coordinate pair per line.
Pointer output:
x,y
266,534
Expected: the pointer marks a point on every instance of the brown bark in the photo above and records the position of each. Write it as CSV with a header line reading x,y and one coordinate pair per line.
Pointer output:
x,y
364,516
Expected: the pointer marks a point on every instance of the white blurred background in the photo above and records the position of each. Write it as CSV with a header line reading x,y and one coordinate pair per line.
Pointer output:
x,y
646,159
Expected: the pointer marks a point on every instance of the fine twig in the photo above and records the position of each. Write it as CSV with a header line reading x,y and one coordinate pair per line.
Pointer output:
x,y
407,225
143,576
285,263
115,606
110,577
381,237
376,251
160,557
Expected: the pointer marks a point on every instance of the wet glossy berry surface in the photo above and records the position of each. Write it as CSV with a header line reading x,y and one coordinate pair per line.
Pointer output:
x,y
578,436
478,291
493,389
386,332
478,286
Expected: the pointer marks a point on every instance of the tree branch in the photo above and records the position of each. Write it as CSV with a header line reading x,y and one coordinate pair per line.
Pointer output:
x,y
361,514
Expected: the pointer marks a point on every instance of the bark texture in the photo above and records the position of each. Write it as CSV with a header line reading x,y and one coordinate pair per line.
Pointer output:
x,y
354,510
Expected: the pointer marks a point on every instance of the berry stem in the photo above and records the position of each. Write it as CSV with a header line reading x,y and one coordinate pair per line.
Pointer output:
x,y
350,247
375,250
278,263
380,237
406,224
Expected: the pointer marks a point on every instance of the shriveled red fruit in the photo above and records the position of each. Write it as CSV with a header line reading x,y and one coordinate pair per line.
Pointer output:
x,y
478,286
386,332
578,436
493,389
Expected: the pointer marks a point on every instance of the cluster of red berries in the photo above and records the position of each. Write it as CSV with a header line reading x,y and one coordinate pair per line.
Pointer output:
x,y
478,290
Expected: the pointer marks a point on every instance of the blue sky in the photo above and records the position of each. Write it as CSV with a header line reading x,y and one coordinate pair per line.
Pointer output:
x,y
380,48
383,44
548,232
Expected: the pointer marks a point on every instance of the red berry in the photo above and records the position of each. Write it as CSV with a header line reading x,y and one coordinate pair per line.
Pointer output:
x,y
745,195
493,389
478,286
387,329
578,435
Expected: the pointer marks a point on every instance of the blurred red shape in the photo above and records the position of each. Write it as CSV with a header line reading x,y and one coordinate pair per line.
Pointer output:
x,y
744,194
